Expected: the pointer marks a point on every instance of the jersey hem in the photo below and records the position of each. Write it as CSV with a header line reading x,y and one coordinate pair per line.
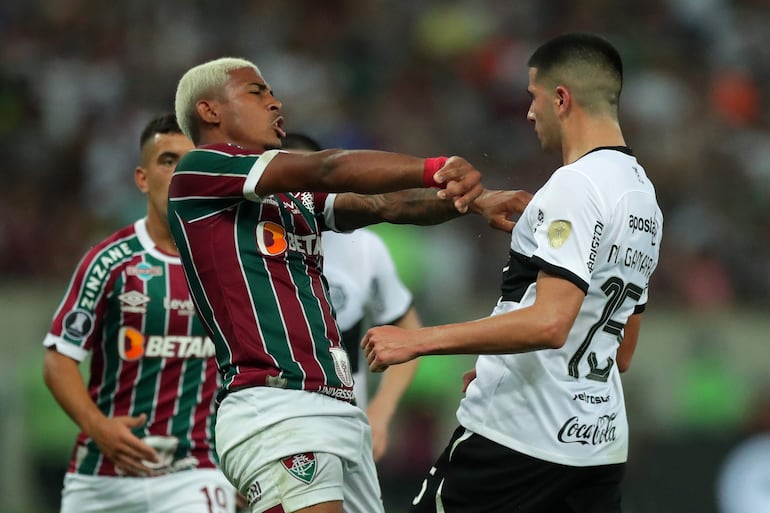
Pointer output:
x,y
536,452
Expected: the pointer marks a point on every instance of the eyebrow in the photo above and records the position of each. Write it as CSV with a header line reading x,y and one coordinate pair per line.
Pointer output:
x,y
168,154
261,86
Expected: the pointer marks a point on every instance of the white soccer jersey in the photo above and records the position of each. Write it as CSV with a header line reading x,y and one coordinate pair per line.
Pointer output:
x,y
596,223
365,291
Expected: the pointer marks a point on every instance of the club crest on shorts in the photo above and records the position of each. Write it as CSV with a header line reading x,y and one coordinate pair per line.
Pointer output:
x,y
342,365
301,466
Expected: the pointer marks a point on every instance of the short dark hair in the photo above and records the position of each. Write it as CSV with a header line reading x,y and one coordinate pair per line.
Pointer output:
x,y
577,46
298,141
162,124
587,62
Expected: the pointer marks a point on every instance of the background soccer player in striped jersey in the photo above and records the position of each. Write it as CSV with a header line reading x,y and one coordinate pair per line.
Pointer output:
x,y
147,414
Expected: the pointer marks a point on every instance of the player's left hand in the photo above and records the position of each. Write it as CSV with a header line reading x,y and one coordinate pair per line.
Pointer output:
x,y
500,207
388,345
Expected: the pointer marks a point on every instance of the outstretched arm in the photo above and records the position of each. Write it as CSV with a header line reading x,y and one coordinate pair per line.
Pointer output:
x,y
369,172
543,325
112,435
395,380
425,207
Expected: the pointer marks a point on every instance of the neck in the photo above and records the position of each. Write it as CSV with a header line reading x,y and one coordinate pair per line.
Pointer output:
x,y
217,137
160,233
586,133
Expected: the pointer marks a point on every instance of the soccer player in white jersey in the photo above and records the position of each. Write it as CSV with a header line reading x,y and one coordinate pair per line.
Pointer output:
x,y
147,414
366,290
543,424
247,219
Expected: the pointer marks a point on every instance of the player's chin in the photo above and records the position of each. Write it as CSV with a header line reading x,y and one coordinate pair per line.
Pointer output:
x,y
274,143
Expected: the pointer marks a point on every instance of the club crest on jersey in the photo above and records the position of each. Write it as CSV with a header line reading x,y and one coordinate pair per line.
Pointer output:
x,y
342,365
301,466
144,271
558,232
307,200
78,324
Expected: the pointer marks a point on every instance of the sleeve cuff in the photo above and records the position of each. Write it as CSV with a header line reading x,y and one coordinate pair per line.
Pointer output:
x,y
252,179
65,348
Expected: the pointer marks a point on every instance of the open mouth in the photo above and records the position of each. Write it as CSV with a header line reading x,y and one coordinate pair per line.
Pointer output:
x,y
278,126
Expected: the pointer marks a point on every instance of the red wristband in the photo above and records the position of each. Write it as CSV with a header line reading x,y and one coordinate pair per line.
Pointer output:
x,y
431,166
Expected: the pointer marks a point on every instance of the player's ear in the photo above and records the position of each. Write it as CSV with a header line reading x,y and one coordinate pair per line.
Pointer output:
x,y
207,111
563,98
140,179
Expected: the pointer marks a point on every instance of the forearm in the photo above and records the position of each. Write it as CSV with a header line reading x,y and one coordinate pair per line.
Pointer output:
x,y
395,380
359,171
500,334
63,378
412,206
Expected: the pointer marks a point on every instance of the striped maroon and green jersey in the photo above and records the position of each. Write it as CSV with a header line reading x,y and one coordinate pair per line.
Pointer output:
x,y
128,307
254,269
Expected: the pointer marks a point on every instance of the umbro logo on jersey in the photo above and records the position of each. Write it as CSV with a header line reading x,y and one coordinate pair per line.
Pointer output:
x,y
133,302
144,271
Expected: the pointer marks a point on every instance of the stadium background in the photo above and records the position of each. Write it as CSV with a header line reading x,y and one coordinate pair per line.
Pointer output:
x,y
79,78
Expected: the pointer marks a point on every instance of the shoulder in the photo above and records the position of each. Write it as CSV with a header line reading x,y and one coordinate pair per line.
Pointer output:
x,y
119,239
110,253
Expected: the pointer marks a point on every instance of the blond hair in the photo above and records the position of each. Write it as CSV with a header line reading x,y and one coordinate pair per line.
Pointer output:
x,y
201,81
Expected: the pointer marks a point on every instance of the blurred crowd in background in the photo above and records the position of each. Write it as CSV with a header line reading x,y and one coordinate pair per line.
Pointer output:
x,y
79,78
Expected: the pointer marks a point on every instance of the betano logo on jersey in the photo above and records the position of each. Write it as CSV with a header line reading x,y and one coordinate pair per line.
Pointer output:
x,y
133,344
274,240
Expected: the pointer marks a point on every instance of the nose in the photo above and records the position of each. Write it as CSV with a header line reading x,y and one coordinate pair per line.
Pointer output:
x,y
275,103
530,115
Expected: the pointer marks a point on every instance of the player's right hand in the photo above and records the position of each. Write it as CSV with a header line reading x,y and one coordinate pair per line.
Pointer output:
x,y
115,440
463,182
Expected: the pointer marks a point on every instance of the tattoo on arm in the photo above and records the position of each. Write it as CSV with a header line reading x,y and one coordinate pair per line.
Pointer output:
x,y
411,206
